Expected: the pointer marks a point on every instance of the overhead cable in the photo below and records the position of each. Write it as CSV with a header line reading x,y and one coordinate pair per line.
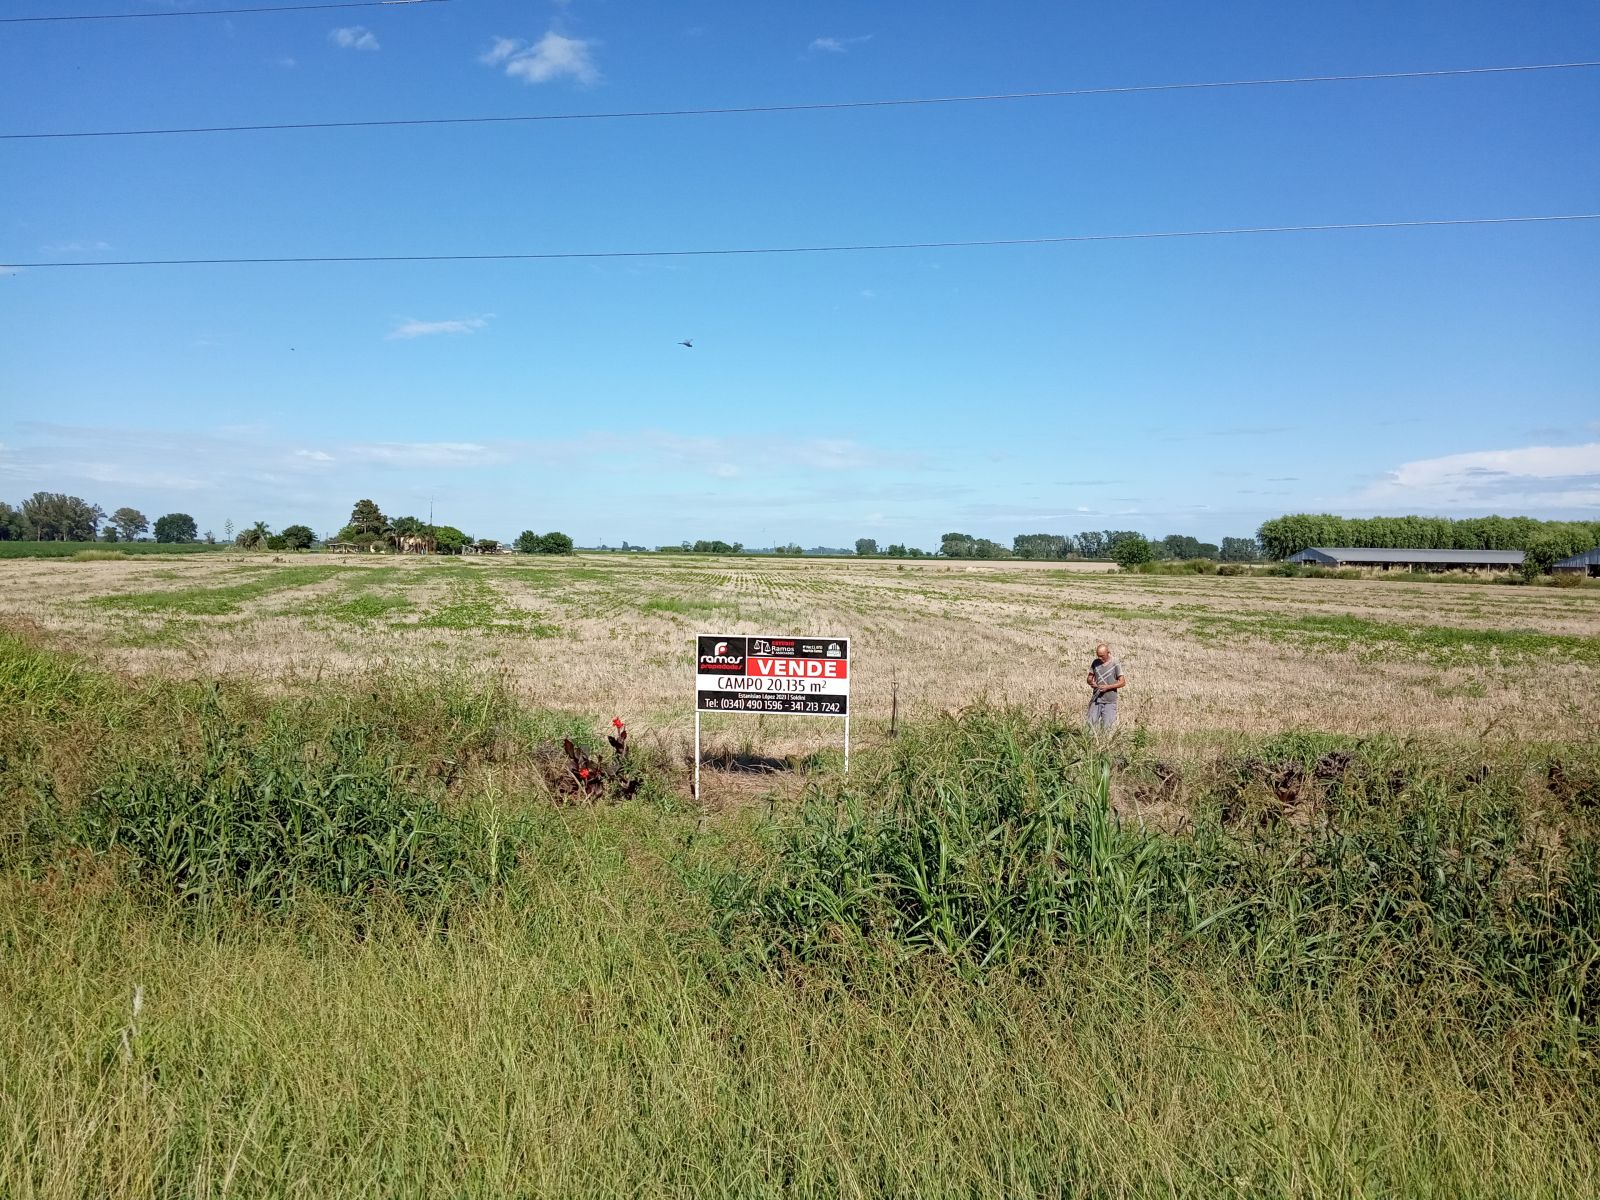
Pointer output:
x,y
817,106
729,252
218,12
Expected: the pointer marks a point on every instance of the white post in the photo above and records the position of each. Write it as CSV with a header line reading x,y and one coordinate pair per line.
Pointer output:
x,y
697,750
847,742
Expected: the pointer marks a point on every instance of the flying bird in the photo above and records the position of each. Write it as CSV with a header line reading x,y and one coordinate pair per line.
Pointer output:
x,y
689,344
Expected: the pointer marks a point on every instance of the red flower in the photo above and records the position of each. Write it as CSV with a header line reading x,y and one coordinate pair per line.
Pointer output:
x,y
617,721
583,772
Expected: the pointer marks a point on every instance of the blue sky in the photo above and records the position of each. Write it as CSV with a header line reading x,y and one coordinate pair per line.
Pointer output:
x,y
1173,386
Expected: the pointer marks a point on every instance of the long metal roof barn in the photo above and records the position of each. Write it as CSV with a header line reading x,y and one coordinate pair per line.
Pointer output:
x,y
1364,556
1589,558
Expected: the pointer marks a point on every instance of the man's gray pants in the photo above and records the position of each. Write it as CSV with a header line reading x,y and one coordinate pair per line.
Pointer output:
x,y
1102,715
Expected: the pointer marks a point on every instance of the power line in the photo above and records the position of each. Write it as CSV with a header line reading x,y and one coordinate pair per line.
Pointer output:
x,y
821,106
217,12
824,249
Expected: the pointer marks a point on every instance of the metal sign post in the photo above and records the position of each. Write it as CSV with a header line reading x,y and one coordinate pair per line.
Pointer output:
x,y
793,676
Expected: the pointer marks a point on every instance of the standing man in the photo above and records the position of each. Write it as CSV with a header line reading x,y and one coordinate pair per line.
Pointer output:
x,y
1107,679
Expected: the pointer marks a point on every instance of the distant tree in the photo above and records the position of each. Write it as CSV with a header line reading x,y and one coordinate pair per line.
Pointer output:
x,y
366,517
110,534
958,545
255,538
1130,549
984,548
276,542
409,526
527,542
210,538
866,546
56,517
13,525
96,515
448,539
715,546
488,544
227,530
130,523
554,543
1182,545
1541,553
1039,545
790,548
298,537
175,527
1092,543
1240,549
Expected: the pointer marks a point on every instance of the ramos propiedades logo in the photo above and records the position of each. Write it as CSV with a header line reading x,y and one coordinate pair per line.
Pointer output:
x,y
721,655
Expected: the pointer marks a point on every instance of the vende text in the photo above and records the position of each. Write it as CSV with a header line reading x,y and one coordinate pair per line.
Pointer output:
x,y
803,668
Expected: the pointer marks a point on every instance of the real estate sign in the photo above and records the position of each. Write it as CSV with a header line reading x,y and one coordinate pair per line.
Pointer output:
x,y
797,676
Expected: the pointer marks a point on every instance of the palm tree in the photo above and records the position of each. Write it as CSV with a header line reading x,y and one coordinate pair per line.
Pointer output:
x,y
255,537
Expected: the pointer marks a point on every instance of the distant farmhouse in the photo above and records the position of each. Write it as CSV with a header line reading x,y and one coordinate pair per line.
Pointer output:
x,y
1409,559
1588,563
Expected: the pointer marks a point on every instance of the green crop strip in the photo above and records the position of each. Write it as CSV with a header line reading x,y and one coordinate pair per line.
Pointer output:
x,y
474,605
360,601
686,607
1425,641
217,601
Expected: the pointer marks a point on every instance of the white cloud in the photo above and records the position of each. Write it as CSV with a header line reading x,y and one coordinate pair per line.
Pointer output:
x,y
354,37
551,57
836,45
315,456
414,329
1529,477
719,455
426,454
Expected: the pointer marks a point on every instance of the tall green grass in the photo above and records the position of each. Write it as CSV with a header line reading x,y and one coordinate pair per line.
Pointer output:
x,y
968,978
267,824
991,840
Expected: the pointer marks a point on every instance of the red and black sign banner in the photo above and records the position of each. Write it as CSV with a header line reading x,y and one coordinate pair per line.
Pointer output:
x,y
800,676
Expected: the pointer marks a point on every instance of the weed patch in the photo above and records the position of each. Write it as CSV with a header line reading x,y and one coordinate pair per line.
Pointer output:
x,y
1439,642
472,605
218,601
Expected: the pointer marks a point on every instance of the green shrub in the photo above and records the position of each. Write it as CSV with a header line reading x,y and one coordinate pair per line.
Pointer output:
x,y
994,841
265,819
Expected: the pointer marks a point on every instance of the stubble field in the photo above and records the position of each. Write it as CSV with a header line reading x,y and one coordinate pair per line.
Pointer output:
x,y
300,896
603,635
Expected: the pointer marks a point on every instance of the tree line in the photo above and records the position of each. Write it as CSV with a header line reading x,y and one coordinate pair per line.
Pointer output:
x,y
1543,542
1115,545
57,517
368,527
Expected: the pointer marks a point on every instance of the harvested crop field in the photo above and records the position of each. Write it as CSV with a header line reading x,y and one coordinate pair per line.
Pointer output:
x,y
611,634
319,877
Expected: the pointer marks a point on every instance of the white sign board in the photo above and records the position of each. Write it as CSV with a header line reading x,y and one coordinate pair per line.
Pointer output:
x,y
793,676
799,676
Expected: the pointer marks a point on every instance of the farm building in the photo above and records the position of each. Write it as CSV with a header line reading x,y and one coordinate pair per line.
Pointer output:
x,y
1588,562
1409,559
